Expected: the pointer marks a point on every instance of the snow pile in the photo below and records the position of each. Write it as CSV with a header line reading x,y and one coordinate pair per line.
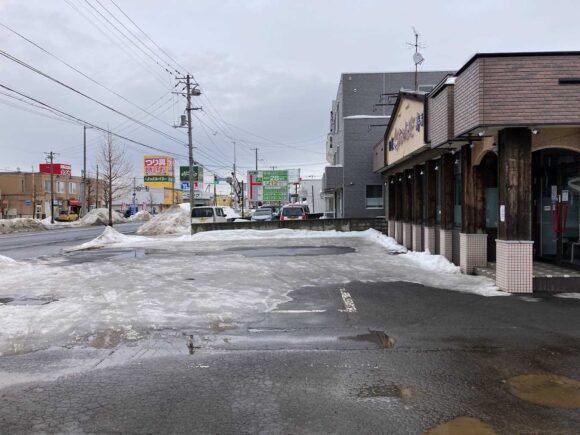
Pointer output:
x,y
174,220
140,216
436,263
568,295
6,261
20,225
109,237
388,242
100,216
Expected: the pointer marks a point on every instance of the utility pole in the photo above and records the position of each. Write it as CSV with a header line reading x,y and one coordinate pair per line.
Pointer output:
x,y
192,89
312,199
256,150
214,189
50,156
235,174
33,194
173,182
134,194
97,190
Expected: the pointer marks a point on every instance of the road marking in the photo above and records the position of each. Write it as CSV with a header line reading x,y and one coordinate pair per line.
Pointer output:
x,y
349,305
297,311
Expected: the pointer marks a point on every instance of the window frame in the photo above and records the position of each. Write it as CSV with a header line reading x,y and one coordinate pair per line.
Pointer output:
x,y
381,197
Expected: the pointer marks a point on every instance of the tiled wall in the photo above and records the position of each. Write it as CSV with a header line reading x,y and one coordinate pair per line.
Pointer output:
x,y
391,229
514,266
456,247
399,232
430,239
407,235
446,243
472,251
417,238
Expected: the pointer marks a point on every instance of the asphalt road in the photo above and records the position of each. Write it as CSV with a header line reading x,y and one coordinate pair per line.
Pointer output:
x,y
28,245
314,365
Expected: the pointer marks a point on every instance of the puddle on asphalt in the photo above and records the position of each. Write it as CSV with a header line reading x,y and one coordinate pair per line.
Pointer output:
x,y
89,256
292,251
24,300
378,391
462,426
110,338
550,390
377,337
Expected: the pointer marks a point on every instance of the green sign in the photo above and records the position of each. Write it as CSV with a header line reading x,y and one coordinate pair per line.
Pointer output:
x,y
156,178
274,186
197,173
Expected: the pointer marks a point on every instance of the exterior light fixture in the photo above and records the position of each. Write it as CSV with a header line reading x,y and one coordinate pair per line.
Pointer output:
x,y
399,178
535,131
481,133
452,152
471,145
456,161
392,181
409,176
421,173
436,167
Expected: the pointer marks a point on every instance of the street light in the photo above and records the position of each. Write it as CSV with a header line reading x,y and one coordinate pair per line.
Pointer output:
x,y
84,199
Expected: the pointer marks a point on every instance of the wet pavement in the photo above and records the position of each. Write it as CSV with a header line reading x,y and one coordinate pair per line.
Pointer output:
x,y
358,357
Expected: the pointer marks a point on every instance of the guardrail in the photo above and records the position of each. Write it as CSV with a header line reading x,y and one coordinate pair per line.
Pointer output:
x,y
353,224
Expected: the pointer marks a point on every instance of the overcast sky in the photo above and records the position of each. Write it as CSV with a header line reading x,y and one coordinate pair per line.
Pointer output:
x,y
268,69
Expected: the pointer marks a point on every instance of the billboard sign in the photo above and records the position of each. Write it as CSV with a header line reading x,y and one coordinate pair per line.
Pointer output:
x,y
158,171
197,173
274,186
57,168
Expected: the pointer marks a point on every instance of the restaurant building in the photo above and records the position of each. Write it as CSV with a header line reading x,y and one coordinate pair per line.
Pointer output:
x,y
485,168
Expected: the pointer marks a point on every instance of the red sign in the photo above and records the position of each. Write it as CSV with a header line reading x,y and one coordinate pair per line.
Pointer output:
x,y
58,168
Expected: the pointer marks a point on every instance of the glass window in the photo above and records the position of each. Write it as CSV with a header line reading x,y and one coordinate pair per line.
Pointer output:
x,y
60,187
374,198
72,187
47,186
202,212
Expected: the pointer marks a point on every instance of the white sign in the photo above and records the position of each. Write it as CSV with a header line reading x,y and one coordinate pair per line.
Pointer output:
x,y
565,196
502,213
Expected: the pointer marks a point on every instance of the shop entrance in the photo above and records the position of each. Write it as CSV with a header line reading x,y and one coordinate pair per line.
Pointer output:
x,y
488,168
556,175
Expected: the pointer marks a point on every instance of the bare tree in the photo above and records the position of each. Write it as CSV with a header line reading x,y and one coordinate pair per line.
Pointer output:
x,y
116,172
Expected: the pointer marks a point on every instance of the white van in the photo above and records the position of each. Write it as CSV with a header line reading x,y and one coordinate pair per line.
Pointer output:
x,y
204,215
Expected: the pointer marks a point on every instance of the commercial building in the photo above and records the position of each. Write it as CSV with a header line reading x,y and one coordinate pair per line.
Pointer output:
x,y
27,194
485,169
358,119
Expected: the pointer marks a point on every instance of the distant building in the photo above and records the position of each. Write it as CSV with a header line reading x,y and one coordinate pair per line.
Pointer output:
x,y
27,194
311,192
358,120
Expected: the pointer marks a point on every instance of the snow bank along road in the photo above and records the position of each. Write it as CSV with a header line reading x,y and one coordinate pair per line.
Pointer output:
x,y
274,332
35,244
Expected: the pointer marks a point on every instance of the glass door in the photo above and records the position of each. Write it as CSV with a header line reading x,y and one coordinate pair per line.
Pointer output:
x,y
557,202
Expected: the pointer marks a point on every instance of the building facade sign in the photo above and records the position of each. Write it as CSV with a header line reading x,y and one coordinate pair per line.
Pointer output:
x,y
406,134
158,171
57,168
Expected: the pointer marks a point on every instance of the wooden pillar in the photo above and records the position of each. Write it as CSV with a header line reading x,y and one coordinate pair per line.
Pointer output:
x,y
392,196
467,192
430,193
407,195
479,194
515,184
417,182
447,162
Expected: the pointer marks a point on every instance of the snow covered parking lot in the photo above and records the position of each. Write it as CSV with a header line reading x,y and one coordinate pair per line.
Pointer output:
x,y
132,285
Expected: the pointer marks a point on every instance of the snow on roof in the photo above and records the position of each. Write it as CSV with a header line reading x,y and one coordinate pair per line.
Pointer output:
x,y
450,81
367,117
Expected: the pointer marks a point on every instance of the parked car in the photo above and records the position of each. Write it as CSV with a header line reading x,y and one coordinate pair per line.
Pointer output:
x,y
274,209
262,215
203,215
66,216
293,212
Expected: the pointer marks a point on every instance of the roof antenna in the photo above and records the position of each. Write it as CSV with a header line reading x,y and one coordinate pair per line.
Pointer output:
x,y
417,57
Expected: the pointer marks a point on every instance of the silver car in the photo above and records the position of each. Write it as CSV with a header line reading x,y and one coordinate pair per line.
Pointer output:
x,y
262,215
